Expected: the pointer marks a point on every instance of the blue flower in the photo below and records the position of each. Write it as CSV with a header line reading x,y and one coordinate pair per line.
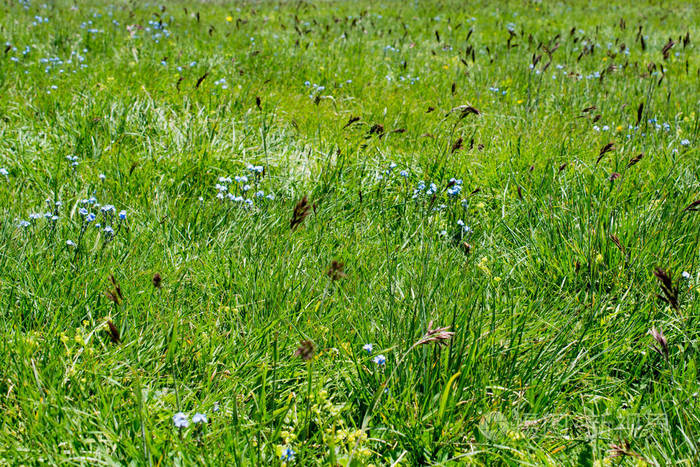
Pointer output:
x,y
367,348
454,190
3,171
24,223
70,243
685,142
108,230
379,360
465,228
180,420
404,173
122,215
90,217
83,212
288,454
199,418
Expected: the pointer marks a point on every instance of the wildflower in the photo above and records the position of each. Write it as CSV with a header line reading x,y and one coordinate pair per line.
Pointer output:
x,y
102,176
287,454
122,215
108,230
465,227
199,418
215,408
180,420
685,275
70,243
454,190
367,348
83,212
260,194
90,217
379,360
23,223
3,171
404,173
685,142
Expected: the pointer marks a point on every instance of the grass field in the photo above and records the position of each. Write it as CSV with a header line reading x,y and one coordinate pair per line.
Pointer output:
x,y
349,233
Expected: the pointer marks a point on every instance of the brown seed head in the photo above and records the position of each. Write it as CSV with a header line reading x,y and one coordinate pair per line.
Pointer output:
x,y
437,335
305,351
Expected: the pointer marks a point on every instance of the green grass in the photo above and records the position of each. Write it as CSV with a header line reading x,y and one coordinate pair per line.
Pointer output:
x,y
551,361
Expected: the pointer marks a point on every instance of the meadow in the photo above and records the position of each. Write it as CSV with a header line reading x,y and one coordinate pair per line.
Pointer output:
x,y
349,233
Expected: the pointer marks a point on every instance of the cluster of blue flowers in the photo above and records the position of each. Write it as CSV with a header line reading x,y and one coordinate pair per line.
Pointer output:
x,y
380,359
237,188
316,89
421,188
181,420
222,83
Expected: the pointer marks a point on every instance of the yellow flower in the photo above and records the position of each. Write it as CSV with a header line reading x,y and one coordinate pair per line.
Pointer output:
x,y
229,19
520,101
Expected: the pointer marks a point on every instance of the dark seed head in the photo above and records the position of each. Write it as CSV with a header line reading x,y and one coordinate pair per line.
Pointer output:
x,y
305,351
